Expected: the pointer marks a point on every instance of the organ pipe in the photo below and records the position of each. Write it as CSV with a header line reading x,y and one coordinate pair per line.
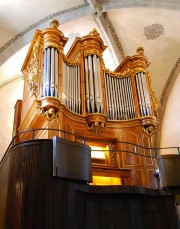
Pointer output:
x,y
118,90
93,84
119,97
71,87
64,84
99,82
48,79
45,74
87,85
143,95
147,98
56,73
50,75
79,88
96,84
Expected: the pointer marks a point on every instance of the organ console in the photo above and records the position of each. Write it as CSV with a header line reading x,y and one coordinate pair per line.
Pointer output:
x,y
78,94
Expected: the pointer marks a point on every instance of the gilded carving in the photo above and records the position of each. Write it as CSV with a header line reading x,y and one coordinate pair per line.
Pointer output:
x,y
149,130
96,127
140,51
126,73
54,23
136,70
31,74
155,104
92,52
51,114
72,62
94,32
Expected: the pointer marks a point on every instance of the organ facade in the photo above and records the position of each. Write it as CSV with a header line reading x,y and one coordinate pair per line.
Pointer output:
x,y
115,112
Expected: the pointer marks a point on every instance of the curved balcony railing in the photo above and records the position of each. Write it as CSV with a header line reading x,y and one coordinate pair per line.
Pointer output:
x,y
126,147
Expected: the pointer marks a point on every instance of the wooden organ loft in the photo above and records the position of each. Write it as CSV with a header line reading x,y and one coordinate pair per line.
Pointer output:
x,y
76,93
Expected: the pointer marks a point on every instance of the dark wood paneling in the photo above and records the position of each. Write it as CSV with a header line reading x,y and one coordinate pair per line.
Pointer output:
x,y
32,198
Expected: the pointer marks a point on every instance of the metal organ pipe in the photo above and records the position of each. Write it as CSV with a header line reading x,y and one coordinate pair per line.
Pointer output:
x,y
123,100
114,97
146,92
139,94
79,90
67,87
44,74
50,75
48,79
87,84
96,83
111,98
74,87
56,72
64,96
128,98
93,84
71,87
119,97
131,98
99,84
143,94
107,95
75,90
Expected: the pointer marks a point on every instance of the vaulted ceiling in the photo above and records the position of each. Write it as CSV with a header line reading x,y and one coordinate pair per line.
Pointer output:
x,y
124,25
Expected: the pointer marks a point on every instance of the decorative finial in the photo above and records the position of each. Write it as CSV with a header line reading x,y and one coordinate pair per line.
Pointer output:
x,y
54,23
94,32
140,51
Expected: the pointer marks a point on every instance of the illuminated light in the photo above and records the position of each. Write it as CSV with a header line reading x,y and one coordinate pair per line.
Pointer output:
x,y
99,180
99,152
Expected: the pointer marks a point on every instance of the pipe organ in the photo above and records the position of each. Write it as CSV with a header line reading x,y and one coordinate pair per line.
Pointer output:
x,y
76,93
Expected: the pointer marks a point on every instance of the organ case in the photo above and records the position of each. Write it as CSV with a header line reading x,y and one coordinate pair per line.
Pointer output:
x,y
78,94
